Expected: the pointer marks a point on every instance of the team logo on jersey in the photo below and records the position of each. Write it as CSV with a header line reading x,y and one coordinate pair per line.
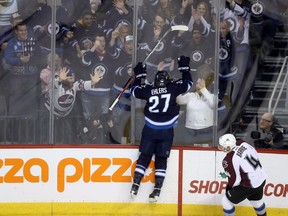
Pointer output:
x,y
6,3
224,174
100,69
160,48
232,23
224,164
223,54
129,69
257,9
66,100
197,56
86,43
49,28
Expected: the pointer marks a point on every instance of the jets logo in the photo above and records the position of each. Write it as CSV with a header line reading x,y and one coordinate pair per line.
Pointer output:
x,y
66,100
257,9
160,48
223,54
100,69
86,43
197,56
49,28
6,3
232,23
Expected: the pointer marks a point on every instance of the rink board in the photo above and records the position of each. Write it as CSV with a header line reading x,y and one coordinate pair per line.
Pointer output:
x,y
96,181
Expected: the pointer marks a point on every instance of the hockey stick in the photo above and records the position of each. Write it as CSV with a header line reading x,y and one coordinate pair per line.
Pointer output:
x,y
131,79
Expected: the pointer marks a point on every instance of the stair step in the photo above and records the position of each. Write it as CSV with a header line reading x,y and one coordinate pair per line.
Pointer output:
x,y
266,84
274,60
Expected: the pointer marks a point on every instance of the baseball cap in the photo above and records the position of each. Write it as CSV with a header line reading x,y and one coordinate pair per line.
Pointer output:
x,y
129,38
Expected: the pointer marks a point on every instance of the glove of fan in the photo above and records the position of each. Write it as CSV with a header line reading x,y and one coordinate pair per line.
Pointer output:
x,y
140,70
183,64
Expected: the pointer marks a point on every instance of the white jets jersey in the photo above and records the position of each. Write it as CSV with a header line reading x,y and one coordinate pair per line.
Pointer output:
x,y
64,98
7,8
243,167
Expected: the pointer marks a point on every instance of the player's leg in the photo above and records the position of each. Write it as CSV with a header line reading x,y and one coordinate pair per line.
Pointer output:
x,y
234,196
162,152
147,146
141,166
160,173
257,201
228,206
259,207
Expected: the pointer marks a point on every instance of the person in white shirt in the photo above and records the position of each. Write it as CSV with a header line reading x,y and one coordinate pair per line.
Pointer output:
x,y
199,114
246,175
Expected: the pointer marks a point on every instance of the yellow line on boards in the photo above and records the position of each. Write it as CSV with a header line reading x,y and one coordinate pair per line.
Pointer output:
x,y
122,209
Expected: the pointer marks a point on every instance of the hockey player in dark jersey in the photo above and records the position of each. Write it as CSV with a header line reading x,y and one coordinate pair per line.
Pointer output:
x,y
161,113
246,176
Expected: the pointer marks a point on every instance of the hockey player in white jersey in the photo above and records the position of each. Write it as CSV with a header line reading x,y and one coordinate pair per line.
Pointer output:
x,y
246,176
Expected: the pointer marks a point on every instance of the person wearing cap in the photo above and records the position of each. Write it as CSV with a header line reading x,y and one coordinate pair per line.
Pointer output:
x,y
246,175
118,36
95,8
96,101
123,71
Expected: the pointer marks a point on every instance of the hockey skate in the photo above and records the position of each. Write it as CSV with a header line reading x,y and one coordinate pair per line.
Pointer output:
x,y
153,197
135,186
134,190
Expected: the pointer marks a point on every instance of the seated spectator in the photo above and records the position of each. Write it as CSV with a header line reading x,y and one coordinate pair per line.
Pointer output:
x,y
269,136
199,114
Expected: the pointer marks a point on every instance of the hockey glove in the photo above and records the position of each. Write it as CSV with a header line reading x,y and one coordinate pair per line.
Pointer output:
x,y
183,64
140,70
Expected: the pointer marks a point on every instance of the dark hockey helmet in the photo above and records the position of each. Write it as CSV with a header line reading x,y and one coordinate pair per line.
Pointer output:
x,y
161,78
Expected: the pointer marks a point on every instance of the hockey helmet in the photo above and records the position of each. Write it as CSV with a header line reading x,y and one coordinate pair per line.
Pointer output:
x,y
227,142
161,78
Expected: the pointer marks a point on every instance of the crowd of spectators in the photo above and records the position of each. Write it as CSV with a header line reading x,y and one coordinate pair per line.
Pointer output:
x,y
96,37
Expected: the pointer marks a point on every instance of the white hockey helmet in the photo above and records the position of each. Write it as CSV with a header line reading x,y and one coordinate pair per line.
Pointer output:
x,y
225,141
